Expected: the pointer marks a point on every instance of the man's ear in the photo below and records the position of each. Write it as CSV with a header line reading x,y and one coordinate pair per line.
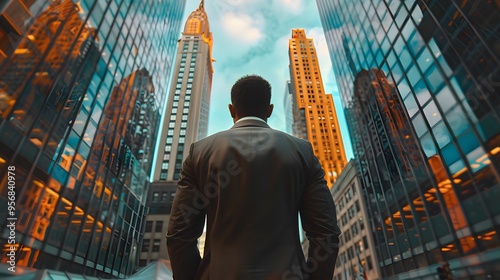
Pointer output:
x,y
270,110
232,111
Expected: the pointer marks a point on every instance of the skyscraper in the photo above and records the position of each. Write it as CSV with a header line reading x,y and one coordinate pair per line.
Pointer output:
x,y
418,84
314,116
82,86
184,122
186,116
357,256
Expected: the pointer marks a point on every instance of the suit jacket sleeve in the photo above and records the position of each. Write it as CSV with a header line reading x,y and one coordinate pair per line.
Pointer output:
x,y
186,223
319,221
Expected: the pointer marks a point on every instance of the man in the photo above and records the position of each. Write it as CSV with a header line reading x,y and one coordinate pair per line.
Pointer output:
x,y
250,183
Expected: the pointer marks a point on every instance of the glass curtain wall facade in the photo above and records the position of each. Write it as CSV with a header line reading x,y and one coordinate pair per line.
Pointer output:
x,y
82,85
419,85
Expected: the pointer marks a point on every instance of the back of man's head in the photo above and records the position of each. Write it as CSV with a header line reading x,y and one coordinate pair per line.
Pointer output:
x,y
251,96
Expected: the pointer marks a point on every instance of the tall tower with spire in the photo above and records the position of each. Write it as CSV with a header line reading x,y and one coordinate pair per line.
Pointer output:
x,y
185,121
186,115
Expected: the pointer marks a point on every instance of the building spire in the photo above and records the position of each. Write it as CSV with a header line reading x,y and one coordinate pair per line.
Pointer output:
x,y
202,3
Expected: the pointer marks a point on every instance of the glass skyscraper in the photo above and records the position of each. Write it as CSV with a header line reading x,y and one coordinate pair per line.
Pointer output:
x,y
419,85
82,86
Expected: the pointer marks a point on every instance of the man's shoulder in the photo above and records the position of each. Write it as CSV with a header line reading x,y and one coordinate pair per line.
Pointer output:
x,y
293,138
214,138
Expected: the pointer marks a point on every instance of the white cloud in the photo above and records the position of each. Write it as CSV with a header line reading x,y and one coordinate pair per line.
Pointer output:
x,y
251,36
242,27
293,6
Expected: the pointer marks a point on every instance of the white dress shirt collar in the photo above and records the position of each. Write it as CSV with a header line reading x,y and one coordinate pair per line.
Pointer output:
x,y
251,118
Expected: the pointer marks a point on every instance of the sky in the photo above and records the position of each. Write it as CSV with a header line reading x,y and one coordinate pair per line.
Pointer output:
x,y
251,37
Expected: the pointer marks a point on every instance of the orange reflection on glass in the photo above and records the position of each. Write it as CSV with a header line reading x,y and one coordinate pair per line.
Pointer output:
x,y
448,248
487,236
451,201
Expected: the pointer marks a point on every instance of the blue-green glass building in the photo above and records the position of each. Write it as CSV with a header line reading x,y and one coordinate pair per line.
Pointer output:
x,y
420,84
82,88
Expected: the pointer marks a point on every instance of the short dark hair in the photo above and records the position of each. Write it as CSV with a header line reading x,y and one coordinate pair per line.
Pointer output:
x,y
251,96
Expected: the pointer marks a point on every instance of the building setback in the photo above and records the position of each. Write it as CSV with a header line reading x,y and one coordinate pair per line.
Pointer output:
x,y
81,91
417,80
314,116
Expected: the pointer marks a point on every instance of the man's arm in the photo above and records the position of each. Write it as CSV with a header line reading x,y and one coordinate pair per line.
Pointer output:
x,y
319,220
186,223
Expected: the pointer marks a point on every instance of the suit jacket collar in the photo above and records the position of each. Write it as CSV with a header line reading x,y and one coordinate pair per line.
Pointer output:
x,y
246,123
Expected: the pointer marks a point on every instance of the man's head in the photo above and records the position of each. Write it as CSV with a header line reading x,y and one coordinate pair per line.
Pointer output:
x,y
251,96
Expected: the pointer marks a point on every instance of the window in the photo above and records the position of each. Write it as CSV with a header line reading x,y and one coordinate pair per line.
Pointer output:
x,y
348,195
351,211
369,261
156,245
354,229
159,225
359,246
156,195
163,198
149,226
145,245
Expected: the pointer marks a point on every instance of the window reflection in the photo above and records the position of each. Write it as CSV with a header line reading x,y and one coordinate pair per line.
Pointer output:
x,y
446,57
51,101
